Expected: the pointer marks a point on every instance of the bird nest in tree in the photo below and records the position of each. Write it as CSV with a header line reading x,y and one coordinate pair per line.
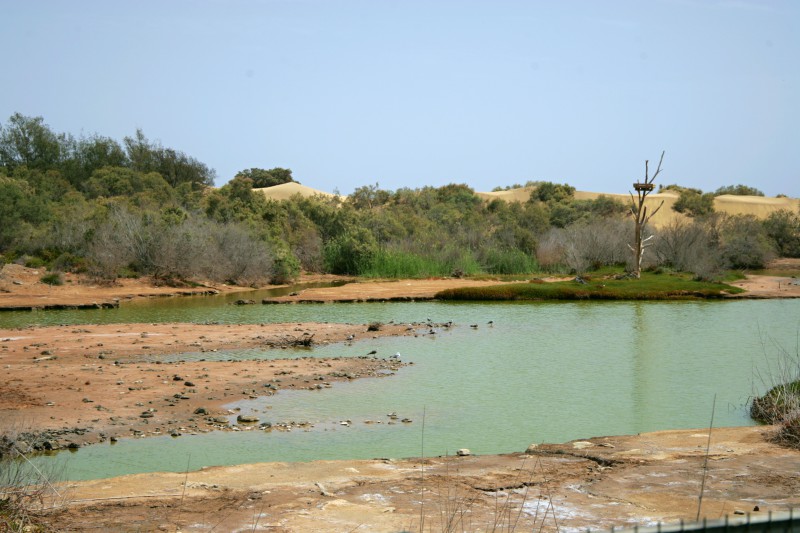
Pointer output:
x,y
643,186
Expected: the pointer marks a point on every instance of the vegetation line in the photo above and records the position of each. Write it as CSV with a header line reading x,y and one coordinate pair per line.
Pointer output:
x,y
114,209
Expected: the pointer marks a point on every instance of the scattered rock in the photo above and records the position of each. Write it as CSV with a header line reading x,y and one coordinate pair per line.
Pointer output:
x,y
247,419
463,452
322,489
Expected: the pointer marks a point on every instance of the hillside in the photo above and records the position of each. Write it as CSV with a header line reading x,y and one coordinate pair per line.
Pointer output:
x,y
759,206
284,191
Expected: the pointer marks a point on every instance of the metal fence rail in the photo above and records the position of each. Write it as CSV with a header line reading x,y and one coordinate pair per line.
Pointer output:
x,y
768,522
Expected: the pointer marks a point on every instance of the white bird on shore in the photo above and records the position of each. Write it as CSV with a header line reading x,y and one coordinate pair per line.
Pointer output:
x,y
395,356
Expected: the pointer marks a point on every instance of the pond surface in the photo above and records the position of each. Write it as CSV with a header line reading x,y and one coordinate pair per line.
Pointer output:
x,y
542,372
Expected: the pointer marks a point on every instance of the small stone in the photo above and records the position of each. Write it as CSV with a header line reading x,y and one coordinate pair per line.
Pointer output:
x,y
531,449
201,411
463,452
247,419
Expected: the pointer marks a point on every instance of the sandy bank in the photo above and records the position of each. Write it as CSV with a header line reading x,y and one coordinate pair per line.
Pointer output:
x,y
597,483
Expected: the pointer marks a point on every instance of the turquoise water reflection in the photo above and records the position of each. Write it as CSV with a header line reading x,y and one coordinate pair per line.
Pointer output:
x,y
542,372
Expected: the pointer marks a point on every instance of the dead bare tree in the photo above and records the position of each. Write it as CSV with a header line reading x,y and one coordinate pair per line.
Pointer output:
x,y
641,217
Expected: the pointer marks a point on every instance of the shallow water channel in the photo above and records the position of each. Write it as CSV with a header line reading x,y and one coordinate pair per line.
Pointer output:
x,y
542,372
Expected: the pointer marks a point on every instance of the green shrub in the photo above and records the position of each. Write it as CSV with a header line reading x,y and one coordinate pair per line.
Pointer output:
x,y
68,262
34,262
285,267
694,203
53,278
350,253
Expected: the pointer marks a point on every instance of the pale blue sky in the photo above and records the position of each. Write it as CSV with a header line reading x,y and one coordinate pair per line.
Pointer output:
x,y
411,93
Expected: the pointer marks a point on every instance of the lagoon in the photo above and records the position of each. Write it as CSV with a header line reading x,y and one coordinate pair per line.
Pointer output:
x,y
541,372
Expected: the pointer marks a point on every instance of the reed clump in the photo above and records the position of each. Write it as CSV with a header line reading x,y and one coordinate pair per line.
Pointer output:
x,y
781,403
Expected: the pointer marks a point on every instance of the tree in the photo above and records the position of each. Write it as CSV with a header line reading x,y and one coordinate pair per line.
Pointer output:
x,y
20,209
783,227
29,141
641,218
174,166
738,190
547,191
119,181
266,178
368,196
90,154
694,203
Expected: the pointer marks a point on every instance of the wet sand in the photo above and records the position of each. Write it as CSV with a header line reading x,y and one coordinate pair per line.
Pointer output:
x,y
116,380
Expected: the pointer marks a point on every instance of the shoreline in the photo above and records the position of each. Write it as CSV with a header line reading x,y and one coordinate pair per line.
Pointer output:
x,y
598,482
22,290
75,385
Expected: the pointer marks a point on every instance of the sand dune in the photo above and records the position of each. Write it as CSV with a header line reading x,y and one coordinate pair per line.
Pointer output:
x,y
759,206
285,191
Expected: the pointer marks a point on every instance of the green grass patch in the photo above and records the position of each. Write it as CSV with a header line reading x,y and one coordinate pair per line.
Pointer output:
x,y
732,275
497,261
650,287
404,265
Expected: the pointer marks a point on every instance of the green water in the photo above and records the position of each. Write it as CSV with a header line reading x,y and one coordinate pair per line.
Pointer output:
x,y
543,372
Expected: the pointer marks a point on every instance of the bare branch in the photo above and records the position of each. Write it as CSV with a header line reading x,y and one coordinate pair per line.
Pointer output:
x,y
658,170
654,212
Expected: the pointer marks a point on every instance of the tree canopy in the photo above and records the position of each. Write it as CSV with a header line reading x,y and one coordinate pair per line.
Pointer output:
x,y
266,178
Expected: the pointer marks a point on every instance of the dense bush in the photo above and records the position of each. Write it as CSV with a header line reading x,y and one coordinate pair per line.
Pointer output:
x,y
694,203
688,246
783,227
744,243
738,190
